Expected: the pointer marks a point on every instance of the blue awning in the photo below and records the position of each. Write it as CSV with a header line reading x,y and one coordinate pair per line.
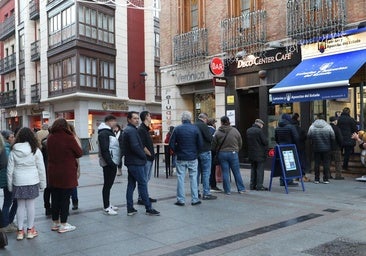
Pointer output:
x,y
319,78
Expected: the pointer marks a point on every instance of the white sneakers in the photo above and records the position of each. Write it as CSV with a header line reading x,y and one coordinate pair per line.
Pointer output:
x,y
111,210
66,228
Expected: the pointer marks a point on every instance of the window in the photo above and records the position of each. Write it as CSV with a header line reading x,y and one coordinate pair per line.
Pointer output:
x,y
21,46
88,72
157,45
89,75
107,75
62,26
190,15
62,74
157,7
242,7
96,25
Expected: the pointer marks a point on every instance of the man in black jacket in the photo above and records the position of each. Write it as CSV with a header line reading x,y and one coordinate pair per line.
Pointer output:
x,y
109,158
348,126
336,148
204,156
148,144
257,149
135,160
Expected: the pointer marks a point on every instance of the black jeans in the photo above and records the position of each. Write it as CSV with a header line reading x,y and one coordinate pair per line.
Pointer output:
x,y
47,197
109,174
213,183
256,174
60,204
325,158
347,153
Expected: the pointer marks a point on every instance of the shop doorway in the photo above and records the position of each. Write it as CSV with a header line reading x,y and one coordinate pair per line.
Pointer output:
x,y
248,112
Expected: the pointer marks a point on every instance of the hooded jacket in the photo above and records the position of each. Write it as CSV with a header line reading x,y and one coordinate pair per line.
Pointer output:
x,y
63,151
286,133
109,148
233,141
24,167
321,136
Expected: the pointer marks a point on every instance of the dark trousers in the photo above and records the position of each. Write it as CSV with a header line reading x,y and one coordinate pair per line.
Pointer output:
x,y
60,204
109,174
74,195
256,174
47,197
213,183
322,157
347,153
136,174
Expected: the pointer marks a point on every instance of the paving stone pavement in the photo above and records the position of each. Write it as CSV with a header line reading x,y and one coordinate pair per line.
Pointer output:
x,y
257,223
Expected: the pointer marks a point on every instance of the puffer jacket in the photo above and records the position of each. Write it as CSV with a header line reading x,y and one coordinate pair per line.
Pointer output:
x,y
257,144
186,141
321,135
24,167
132,147
286,133
109,147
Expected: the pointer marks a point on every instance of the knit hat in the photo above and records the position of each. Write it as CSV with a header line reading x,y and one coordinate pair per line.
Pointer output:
x,y
259,121
332,119
6,134
286,117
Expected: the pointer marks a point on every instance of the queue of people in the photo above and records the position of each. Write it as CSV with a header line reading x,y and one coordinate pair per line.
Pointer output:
x,y
48,160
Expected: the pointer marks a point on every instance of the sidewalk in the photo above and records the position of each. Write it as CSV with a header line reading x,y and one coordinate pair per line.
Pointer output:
x,y
254,223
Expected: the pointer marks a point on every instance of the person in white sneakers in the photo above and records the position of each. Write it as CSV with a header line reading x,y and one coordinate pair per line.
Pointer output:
x,y
109,159
63,149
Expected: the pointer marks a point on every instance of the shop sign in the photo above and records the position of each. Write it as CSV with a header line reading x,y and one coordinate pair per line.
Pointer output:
x,y
257,61
115,106
334,45
36,111
219,81
45,114
216,66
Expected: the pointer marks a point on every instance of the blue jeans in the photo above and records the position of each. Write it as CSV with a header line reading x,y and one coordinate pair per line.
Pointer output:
x,y
182,167
9,207
230,160
204,169
136,173
147,172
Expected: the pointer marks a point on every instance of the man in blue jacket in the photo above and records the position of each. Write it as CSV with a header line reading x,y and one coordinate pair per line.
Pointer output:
x,y
135,160
186,142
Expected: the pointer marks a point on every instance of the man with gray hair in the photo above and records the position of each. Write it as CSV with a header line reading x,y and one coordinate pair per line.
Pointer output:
x,y
186,142
204,157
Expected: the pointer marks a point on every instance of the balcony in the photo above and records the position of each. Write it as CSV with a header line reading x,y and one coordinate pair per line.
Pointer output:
x,y
34,9
244,33
7,28
8,99
311,20
8,64
190,47
35,93
35,51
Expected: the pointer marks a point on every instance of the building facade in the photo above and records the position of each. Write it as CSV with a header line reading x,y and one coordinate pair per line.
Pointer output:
x,y
260,42
79,60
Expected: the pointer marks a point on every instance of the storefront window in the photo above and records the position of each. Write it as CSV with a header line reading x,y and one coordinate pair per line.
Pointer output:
x,y
205,103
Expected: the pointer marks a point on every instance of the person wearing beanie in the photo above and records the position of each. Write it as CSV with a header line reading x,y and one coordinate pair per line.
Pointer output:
x,y
286,133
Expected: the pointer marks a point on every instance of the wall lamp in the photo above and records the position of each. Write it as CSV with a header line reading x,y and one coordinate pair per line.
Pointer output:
x,y
143,76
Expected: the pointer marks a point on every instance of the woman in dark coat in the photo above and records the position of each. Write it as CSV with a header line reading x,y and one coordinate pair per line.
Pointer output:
x,y
63,151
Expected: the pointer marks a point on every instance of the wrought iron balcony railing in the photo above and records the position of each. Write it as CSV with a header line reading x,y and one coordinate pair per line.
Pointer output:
x,y
35,51
313,19
246,32
35,93
7,28
8,99
191,46
34,9
8,64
